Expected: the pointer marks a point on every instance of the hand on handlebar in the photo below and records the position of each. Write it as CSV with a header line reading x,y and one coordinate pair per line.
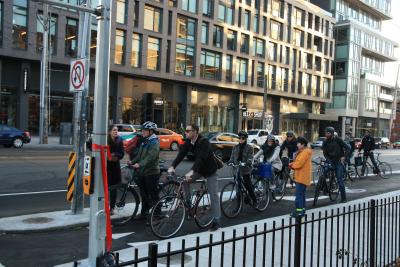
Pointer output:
x,y
171,170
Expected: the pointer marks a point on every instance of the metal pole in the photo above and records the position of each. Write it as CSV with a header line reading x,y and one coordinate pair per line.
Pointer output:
x,y
43,127
80,112
264,122
100,119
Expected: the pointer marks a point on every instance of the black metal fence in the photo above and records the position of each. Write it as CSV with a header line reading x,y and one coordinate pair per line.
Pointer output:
x,y
365,234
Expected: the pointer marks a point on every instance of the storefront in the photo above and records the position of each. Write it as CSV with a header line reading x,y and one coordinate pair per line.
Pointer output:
x,y
8,105
252,111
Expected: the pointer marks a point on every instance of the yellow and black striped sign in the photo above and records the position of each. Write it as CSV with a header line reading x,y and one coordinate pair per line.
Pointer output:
x,y
71,175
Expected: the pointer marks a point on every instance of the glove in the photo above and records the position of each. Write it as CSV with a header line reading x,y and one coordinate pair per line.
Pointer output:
x,y
189,175
171,170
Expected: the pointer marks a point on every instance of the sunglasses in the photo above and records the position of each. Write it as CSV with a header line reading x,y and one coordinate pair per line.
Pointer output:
x,y
188,131
289,135
242,137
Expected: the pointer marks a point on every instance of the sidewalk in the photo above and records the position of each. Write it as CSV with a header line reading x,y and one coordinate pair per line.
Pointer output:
x,y
53,142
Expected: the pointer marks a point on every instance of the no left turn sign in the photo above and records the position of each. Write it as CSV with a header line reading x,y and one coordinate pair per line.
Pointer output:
x,y
77,77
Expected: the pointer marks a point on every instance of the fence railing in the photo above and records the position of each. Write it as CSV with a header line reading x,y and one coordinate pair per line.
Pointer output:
x,y
365,234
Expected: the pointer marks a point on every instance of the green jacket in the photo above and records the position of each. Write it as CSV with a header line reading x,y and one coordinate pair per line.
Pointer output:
x,y
148,157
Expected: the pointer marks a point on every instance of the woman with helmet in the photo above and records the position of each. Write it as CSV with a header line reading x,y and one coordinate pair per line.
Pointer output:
x,y
243,153
146,166
270,150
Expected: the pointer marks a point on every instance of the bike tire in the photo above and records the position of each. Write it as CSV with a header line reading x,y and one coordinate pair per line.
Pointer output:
x,y
279,192
127,203
333,189
203,215
352,173
385,170
317,190
231,200
261,190
167,216
366,171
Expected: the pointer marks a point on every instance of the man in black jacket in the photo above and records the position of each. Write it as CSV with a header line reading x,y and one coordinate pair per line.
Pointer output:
x,y
290,144
204,165
335,151
368,144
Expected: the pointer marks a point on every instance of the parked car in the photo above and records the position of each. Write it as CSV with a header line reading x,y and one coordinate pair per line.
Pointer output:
x,y
169,139
10,136
318,143
357,142
382,142
126,131
396,144
257,136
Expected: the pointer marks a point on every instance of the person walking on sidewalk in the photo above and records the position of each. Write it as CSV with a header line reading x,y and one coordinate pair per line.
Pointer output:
x,y
113,164
204,166
302,175
147,169
243,152
335,152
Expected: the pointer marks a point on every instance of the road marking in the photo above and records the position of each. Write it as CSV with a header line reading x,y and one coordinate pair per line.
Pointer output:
x,y
118,236
293,198
32,193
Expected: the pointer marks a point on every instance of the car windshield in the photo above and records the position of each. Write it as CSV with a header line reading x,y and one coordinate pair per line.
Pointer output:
x,y
210,135
254,132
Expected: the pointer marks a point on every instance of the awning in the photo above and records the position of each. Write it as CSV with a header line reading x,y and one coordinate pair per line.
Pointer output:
x,y
311,116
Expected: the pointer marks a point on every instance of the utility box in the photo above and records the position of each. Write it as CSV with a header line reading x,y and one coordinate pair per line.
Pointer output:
x,y
66,133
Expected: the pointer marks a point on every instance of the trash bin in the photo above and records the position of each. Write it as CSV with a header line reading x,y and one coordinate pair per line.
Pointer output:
x,y
66,133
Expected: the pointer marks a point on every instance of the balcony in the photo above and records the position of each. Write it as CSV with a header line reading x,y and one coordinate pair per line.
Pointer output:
x,y
386,111
386,97
364,5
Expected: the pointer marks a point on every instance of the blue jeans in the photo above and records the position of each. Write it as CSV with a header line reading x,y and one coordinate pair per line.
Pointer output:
x,y
339,173
300,201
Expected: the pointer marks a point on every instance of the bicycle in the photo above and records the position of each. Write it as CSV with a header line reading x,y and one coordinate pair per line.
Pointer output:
x,y
168,214
327,182
363,169
350,172
233,194
281,180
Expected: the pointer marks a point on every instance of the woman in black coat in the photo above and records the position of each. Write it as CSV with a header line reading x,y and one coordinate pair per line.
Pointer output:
x,y
113,165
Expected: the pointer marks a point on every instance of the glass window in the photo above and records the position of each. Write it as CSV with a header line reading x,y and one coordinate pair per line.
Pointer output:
x,y
225,12
218,33
53,33
119,56
204,33
272,77
185,47
256,23
93,42
228,67
121,11
210,65
258,47
264,25
208,8
246,23
136,14
276,30
189,5
241,70
153,53
172,3
298,38
273,51
152,18
277,8
136,52
260,74
244,43
299,17
20,26
71,37
231,40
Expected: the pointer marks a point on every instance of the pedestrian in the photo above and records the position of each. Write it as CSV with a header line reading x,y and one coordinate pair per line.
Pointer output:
x,y
368,145
147,168
243,153
204,165
114,141
335,152
302,175
290,144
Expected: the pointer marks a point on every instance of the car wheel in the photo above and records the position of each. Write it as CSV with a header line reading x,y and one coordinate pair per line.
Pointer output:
x,y
254,142
17,142
174,146
219,153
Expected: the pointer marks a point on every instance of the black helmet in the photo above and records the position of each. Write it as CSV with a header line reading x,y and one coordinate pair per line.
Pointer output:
x,y
330,130
290,133
243,133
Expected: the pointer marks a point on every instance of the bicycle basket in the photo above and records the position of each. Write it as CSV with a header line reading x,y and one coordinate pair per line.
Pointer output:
x,y
358,161
264,170
126,175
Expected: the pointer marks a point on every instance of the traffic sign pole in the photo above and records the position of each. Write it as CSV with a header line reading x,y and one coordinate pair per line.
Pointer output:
x,y
100,120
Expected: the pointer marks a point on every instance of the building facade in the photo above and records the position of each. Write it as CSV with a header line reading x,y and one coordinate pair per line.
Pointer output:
x,y
175,62
361,96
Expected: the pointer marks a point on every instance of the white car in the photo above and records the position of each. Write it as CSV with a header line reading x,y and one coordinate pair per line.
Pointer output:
x,y
126,131
257,136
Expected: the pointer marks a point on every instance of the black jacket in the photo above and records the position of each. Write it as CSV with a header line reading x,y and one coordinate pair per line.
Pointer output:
x,y
291,147
204,162
367,143
335,148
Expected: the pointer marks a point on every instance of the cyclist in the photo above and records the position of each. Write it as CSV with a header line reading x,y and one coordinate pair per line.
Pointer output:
x,y
204,166
244,153
147,168
335,151
302,175
290,144
270,150
368,145
351,144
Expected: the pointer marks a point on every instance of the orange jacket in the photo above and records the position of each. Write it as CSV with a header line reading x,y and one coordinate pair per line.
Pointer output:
x,y
302,167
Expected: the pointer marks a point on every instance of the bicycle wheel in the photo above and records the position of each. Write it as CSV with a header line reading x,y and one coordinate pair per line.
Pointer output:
x,y
231,200
127,203
280,190
385,170
203,216
167,216
352,173
261,190
318,188
360,173
333,186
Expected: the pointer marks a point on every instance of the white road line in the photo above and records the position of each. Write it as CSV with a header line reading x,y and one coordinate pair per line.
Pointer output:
x,y
32,193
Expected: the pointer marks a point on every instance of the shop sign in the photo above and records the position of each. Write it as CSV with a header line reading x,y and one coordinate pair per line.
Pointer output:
x,y
252,114
158,101
25,80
